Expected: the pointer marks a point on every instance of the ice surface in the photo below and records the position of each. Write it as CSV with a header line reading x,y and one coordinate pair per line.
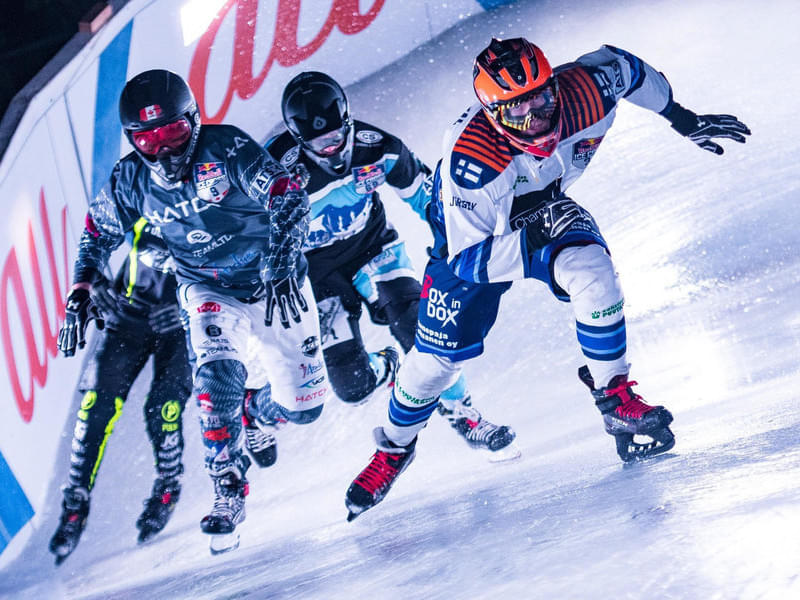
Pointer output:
x,y
707,248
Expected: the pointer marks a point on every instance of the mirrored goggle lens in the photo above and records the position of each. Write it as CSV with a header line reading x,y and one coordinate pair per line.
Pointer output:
x,y
328,143
167,137
521,112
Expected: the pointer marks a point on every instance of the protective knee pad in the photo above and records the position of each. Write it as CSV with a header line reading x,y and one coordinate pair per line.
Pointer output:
x,y
219,389
588,275
349,370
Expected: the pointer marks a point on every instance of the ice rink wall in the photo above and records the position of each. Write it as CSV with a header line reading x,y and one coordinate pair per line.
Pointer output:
x,y
237,55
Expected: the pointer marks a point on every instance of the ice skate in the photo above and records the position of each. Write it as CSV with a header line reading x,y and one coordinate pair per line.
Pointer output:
x,y
480,433
228,512
75,510
158,507
626,415
260,439
374,482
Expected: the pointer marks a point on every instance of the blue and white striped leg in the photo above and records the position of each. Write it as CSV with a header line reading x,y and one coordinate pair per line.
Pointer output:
x,y
419,382
587,274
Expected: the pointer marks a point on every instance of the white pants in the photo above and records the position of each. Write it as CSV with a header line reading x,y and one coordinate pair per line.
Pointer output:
x,y
223,328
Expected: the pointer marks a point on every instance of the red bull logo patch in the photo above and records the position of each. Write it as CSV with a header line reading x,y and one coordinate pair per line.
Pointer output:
x,y
369,177
211,181
583,151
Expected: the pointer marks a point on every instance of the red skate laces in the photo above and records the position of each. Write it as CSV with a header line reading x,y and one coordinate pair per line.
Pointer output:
x,y
632,407
378,472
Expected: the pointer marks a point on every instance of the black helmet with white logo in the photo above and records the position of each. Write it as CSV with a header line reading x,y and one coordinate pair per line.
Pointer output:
x,y
316,113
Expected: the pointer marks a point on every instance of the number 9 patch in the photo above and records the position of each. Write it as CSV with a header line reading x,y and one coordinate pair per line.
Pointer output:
x,y
211,181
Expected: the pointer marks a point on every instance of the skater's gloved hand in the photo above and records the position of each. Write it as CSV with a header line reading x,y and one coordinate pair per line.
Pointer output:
x,y
79,311
702,128
552,220
104,296
166,318
285,294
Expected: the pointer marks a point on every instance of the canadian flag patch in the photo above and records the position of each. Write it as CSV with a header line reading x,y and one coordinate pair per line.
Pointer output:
x,y
148,113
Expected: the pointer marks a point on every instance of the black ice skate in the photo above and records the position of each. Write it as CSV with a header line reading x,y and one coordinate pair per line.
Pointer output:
x,y
260,438
480,433
230,491
625,414
374,482
75,509
158,507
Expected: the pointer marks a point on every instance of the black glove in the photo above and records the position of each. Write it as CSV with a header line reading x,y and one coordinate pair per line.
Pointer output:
x,y
702,128
284,293
552,220
80,310
104,296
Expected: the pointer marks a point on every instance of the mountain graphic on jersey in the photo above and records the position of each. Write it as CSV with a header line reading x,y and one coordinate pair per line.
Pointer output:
x,y
334,221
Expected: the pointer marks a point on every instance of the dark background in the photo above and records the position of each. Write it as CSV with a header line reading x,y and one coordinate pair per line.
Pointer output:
x,y
31,33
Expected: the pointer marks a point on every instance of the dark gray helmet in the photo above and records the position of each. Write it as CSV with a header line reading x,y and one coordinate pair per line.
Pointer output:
x,y
316,113
161,121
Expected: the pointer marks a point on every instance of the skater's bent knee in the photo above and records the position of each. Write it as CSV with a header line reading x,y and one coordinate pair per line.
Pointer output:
x,y
580,269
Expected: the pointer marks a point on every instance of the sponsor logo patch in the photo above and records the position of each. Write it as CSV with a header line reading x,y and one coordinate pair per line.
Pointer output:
x,y
291,156
310,346
210,181
369,177
213,331
368,136
217,435
463,204
198,236
209,307
171,411
583,151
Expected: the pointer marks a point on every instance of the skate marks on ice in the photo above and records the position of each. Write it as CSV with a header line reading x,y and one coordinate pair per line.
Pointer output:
x,y
563,528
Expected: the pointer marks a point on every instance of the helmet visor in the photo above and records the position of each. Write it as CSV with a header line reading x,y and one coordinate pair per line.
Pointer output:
x,y
168,138
329,143
530,114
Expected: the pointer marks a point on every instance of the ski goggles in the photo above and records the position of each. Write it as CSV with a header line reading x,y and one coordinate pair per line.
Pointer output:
x,y
328,143
531,112
168,137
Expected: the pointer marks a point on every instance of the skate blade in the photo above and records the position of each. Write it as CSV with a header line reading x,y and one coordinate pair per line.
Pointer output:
x,y
631,451
220,543
507,454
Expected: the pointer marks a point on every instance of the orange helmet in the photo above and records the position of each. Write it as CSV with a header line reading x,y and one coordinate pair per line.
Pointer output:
x,y
515,84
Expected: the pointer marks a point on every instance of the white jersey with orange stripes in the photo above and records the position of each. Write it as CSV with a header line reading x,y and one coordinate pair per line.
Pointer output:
x,y
488,187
